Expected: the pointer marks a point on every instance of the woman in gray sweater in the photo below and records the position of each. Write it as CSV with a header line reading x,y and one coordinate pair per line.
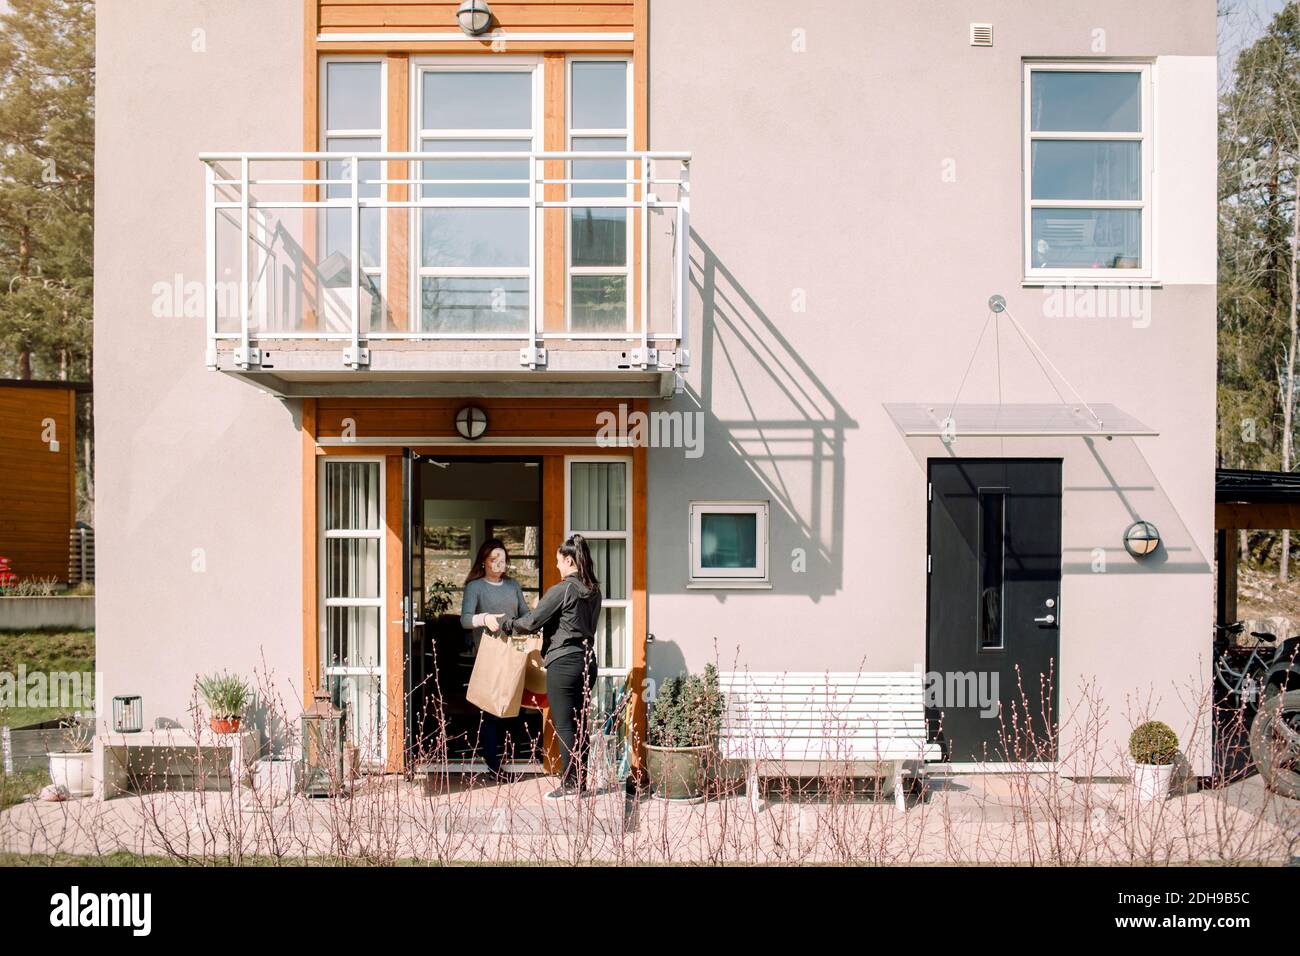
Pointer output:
x,y
488,592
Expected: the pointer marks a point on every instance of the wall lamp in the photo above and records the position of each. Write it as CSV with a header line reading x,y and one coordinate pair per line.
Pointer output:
x,y
1141,538
474,17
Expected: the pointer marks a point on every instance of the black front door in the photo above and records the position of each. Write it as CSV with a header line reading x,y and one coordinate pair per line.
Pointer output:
x,y
994,614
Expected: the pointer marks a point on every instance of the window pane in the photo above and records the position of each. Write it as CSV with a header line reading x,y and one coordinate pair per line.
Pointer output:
x,y
360,700
610,558
1087,238
729,540
611,637
473,304
352,567
478,100
1085,101
476,169
336,266
598,304
342,169
352,96
474,237
992,565
352,637
1071,169
352,495
598,495
599,237
619,169
599,95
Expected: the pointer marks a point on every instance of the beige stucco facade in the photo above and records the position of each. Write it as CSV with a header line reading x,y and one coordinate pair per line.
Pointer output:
x,y
857,197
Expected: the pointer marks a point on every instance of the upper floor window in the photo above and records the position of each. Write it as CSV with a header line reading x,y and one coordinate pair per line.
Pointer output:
x,y
1088,162
353,107
473,250
599,290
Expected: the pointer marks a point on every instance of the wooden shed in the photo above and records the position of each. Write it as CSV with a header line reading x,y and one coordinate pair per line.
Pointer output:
x,y
38,475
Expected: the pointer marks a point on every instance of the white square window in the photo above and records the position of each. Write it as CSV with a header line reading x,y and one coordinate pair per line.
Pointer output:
x,y
728,542
1088,160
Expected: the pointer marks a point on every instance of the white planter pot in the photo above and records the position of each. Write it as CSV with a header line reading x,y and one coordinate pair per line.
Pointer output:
x,y
274,780
1151,781
73,771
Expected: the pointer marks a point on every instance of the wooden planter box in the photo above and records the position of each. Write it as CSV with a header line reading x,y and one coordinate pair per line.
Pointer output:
x,y
26,748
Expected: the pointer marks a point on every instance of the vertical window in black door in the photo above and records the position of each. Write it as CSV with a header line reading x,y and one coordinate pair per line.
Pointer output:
x,y
992,551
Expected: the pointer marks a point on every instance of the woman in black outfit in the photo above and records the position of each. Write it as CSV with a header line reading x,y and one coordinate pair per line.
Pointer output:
x,y
567,615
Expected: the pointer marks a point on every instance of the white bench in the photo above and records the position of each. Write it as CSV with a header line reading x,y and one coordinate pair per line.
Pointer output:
x,y
825,723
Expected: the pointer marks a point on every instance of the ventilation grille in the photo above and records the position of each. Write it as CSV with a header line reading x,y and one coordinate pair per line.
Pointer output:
x,y
981,34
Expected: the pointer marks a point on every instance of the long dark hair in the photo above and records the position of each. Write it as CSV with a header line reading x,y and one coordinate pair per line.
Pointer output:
x,y
575,548
478,568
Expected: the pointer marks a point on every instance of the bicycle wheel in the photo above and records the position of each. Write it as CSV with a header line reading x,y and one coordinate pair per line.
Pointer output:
x,y
1275,743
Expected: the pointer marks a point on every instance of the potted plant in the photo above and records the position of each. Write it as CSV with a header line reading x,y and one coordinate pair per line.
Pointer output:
x,y
438,601
71,767
226,696
682,734
1153,746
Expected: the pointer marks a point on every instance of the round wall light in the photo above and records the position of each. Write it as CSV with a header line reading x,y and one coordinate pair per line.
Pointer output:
x,y
474,17
1141,538
471,422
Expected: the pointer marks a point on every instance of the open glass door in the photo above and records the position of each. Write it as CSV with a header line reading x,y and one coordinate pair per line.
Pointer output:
x,y
415,653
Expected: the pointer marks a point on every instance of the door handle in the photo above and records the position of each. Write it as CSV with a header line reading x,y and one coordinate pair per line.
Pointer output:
x,y
1046,619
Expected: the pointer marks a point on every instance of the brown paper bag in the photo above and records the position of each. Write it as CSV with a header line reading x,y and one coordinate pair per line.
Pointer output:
x,y
497,682
535,675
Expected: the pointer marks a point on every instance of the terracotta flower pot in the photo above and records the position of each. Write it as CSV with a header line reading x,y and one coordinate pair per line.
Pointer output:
x,y
224,725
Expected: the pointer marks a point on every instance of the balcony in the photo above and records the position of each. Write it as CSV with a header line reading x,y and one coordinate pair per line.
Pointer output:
x,y
448,273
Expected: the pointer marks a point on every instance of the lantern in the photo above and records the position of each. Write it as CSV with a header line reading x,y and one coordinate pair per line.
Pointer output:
x,y
322,747
128,715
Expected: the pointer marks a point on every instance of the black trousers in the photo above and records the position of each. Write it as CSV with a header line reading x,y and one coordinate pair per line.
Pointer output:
x,y
569,681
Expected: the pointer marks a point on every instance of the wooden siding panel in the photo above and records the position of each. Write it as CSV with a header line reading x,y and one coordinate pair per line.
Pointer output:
x,y
434,417
38,501
388,15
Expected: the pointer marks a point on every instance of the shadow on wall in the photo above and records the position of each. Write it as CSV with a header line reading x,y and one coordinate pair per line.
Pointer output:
x,y
664,660
772,432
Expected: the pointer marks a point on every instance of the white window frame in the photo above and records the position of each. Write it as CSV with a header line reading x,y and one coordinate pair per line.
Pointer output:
x,y
326,134
322,582
570,134
624,535
729,577
535,270
1145,137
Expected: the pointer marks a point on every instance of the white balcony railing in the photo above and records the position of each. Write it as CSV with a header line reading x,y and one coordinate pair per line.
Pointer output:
x,y
363,248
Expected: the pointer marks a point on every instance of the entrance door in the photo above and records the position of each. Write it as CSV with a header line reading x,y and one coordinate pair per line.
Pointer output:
x,y
452,507
994,611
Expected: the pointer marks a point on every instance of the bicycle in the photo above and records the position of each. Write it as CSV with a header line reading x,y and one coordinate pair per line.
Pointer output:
x,y
1246,680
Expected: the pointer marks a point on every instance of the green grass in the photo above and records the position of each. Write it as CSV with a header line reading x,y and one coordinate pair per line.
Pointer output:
x,y
68,651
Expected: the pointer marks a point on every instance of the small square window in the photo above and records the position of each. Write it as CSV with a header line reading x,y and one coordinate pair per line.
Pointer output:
x,y
728,542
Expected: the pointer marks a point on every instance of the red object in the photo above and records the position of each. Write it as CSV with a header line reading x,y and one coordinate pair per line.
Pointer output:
x,y
224,725
534,701
7,576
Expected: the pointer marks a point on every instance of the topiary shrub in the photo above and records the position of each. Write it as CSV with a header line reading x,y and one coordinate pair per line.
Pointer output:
x,y
1153,742
687,711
